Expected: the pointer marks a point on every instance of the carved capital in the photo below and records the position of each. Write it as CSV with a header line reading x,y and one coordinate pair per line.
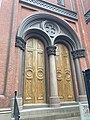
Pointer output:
x,y
20,43
78,53
51,50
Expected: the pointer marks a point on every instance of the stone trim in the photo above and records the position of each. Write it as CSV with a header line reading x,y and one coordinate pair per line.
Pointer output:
x,y
20,43
51,50
51,7
78,53
87,16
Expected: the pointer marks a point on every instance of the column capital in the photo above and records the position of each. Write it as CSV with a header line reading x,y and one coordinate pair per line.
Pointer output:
x,y
51,50
20,43
78,53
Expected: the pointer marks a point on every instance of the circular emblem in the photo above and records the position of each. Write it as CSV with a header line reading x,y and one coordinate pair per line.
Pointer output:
x,y
59,75
40,74
50,27
29,73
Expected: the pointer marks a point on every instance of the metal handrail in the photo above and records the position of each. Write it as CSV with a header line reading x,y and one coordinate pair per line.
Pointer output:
x,y
16,113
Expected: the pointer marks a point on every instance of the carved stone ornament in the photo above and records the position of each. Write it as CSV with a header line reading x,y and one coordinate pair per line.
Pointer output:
x,y
87,16
78,53
50,7
50,27
51,50
20,43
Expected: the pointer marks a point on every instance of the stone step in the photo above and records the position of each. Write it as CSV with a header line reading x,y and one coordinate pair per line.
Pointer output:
x,y
59,113
72,118
5,114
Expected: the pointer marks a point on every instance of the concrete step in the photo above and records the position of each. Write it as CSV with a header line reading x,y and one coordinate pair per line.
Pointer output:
x,y
59,113
5,114
72,118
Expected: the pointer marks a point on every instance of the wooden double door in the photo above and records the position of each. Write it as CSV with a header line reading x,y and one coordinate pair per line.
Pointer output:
x,y
35,81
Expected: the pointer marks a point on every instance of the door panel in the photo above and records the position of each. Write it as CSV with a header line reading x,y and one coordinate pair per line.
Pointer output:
x,y
64,79
34,82
40,77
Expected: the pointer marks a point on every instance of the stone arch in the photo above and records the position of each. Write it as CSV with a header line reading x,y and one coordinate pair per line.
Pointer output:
x,y
35,32
26,30
66,40
25,25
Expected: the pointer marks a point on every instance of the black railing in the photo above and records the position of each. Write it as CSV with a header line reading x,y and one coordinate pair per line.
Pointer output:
x,y
16,113
86,75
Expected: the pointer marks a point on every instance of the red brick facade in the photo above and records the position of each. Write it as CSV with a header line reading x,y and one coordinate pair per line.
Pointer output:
x,y
12,13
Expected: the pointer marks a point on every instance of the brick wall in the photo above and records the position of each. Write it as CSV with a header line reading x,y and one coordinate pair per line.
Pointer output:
x,y
10,56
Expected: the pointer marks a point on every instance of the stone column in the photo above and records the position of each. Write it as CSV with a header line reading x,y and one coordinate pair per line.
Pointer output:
x,y
54,99
81,89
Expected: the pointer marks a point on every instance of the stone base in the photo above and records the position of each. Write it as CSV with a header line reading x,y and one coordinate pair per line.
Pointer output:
x,y
54,101
68,112
82,98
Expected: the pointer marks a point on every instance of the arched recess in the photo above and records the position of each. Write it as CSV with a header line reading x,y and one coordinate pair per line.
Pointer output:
x,y
31,36
65,46
67,87
27,30
35,51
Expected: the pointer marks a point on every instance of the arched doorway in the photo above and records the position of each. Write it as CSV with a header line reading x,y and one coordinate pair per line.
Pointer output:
x,y
34,81
32,26
64,78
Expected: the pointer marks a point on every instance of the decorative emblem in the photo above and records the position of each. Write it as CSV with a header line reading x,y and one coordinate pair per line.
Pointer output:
x,y
59,75
29,73
67,75
51,28
40,74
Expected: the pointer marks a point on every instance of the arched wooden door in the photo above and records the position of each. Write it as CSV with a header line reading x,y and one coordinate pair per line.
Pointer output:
x,y
64,78
34,82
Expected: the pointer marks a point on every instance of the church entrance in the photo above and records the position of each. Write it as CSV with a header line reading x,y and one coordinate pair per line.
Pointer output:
x,y
64,78
34,81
